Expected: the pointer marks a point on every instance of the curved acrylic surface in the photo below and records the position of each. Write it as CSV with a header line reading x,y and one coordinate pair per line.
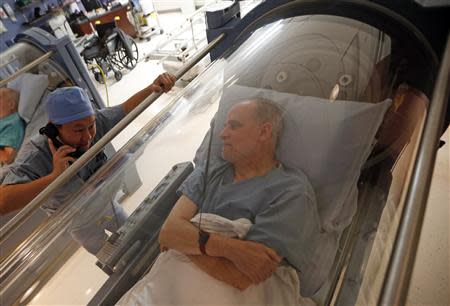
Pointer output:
x,y
335,79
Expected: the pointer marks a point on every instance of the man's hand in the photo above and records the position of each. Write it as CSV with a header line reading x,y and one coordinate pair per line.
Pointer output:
x,y
164,82
254,259
17,196
7,155
60,158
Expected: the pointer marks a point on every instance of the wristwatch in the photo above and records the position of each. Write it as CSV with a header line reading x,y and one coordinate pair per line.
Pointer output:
x,y
202,240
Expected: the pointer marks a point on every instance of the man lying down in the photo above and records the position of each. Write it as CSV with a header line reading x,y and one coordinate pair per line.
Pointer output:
x,y
259,225
12,127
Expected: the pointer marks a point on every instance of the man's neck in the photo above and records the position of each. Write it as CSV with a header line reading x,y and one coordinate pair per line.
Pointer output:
x,y
247,169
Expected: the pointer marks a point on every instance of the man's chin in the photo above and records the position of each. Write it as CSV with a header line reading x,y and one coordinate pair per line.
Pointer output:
x,y
227,156
83,148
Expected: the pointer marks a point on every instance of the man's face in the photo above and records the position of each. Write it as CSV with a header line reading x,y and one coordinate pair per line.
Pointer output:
x,y
78,133
9,100
240,133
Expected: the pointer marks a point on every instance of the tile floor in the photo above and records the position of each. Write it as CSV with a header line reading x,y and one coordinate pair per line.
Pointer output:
x,y
80,278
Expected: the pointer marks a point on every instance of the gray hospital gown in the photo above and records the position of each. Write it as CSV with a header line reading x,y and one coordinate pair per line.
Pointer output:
x,y
35,161
281,206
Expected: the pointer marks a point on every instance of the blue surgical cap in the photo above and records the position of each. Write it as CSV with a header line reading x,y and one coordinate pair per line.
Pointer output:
x,y
68,104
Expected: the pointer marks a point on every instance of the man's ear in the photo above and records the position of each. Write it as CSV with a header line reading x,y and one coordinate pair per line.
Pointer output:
x,y
266,131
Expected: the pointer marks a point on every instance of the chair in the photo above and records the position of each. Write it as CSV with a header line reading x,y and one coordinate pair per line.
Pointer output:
x,y
110,50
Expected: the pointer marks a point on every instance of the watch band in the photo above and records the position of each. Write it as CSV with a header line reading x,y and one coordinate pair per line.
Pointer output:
x,y
203,238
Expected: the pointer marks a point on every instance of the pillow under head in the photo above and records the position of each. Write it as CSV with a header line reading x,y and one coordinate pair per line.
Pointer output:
x,y
328,141
31,88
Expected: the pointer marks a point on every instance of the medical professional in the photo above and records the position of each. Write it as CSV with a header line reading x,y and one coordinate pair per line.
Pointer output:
x,y
41,160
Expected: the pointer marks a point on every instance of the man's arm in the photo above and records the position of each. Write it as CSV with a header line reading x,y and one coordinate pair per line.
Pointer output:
x,y
221,269
164,82
177,231
253,259
17,196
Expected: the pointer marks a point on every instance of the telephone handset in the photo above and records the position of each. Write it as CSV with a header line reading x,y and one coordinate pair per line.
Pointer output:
x,y
51,131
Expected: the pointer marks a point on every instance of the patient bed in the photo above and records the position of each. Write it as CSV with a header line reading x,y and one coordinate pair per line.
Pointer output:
x,y
33,89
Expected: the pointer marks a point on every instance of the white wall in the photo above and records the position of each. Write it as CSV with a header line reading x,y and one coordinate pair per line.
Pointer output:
x,y
186,6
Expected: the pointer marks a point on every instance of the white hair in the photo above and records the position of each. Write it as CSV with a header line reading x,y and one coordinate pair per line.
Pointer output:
x,y
268,111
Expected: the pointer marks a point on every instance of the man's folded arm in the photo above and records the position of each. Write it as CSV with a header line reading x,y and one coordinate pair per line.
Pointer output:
x,y
180,234
177,232
221,269
254,259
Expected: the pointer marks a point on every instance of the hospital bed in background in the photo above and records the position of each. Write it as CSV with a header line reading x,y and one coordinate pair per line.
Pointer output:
x,y
188,39
363,100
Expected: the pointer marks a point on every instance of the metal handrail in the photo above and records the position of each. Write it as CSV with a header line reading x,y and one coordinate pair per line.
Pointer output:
x,y
398,276
27,67
38,201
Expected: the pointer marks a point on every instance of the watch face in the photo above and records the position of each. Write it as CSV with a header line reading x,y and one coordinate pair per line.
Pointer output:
x,y
203,237
202,240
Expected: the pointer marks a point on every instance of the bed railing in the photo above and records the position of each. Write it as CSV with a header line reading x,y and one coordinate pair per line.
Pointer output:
x,y
26,68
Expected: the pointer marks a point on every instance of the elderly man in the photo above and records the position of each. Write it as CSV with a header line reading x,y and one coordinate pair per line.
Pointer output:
x,y
76,127
252,184
12,127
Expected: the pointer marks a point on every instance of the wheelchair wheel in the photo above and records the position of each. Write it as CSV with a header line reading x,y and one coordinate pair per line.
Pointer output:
x,y
128,60
99,78
118,75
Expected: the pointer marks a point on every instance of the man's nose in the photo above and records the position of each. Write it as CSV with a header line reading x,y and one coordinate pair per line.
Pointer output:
x,y
224,133
86,136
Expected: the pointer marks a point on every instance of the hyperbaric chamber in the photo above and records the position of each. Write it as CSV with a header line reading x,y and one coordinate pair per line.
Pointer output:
x,y
337,78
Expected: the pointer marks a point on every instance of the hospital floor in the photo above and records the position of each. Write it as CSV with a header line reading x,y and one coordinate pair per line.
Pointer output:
x,y
80,278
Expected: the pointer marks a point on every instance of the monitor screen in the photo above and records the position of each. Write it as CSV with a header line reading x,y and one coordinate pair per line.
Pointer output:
x,y
91,5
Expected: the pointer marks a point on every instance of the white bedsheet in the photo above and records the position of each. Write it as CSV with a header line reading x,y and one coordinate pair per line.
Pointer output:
x,y
175,280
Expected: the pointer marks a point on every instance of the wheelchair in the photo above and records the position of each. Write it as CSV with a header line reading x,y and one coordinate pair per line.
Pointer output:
x,y
110,50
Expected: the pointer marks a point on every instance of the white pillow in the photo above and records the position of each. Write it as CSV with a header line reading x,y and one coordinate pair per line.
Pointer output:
x,y
31,88
328,141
